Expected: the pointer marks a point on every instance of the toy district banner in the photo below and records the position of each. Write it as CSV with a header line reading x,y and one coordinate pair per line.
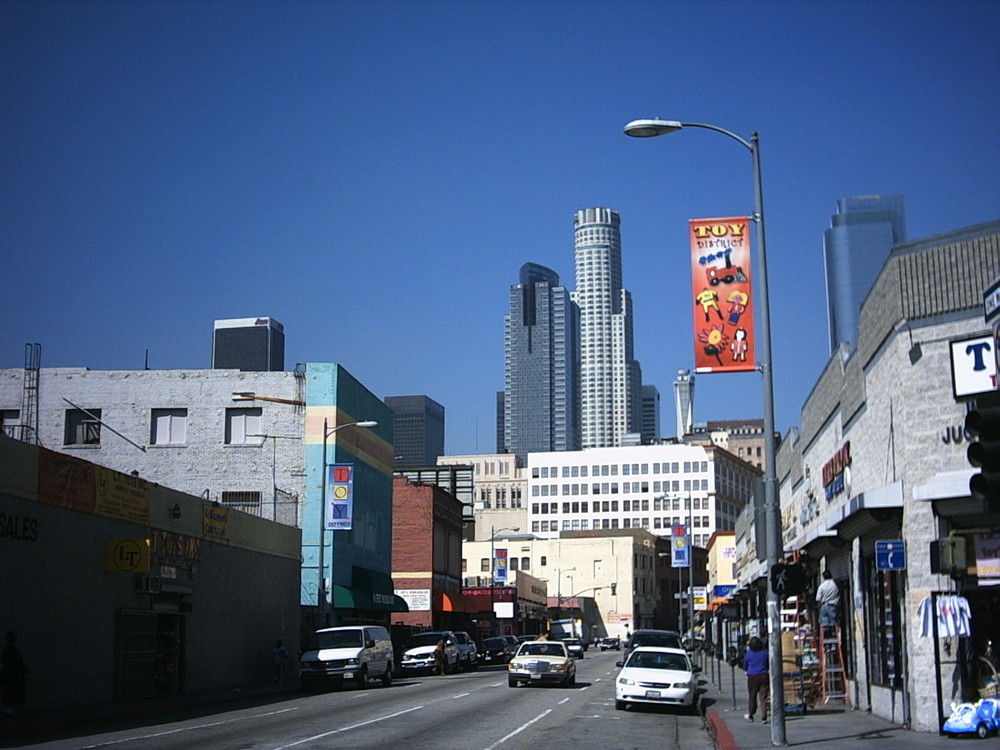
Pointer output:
x,y
720,281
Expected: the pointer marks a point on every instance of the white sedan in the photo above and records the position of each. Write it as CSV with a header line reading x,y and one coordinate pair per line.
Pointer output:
x,y
540,662
657,675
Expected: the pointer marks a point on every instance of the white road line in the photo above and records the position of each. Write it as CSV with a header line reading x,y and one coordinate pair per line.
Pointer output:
x,y
184,729
461,695
519,729
563,701
348,728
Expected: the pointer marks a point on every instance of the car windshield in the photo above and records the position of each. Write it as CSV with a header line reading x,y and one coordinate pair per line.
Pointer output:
x,y
541,649
339,639
656,660
665,640
425,639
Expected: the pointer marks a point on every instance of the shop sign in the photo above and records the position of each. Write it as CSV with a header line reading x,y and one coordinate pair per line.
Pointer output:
x,y
973,366
987,548
835,471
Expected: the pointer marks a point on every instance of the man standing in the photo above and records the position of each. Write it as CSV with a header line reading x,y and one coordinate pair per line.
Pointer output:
x,y
828,598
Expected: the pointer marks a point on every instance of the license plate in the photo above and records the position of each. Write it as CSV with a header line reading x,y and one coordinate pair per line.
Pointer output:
x,y
652,693
536,677
348,675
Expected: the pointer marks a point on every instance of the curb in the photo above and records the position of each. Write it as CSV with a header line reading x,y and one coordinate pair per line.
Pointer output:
x,y
724,739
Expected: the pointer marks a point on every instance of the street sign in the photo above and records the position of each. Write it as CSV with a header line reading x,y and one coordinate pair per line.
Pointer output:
x,y
890,554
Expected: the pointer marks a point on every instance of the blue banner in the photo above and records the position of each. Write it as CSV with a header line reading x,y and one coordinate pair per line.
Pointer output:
x,y
340,496
679,547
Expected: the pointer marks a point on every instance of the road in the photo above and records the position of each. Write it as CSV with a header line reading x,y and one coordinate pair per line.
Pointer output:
x,y
471,711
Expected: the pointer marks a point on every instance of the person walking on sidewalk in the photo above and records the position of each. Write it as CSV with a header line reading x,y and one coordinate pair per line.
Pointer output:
x,y
758,682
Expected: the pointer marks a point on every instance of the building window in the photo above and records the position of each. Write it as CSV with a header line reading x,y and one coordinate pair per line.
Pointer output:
x,y
484,565
242,498
884,629
513,563
465,565
241,424
168,427
82,429
9,422
544,561
525,563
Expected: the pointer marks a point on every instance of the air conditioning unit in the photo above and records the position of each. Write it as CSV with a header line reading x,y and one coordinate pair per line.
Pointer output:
x,y
146,584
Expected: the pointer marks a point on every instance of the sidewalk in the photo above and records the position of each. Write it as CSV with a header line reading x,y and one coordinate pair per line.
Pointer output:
x,y
831,726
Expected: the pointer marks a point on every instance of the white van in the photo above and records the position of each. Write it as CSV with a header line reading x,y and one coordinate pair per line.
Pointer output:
x,y
356,652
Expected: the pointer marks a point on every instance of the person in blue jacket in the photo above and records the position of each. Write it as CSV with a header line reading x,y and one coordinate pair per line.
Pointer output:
x,y
758,682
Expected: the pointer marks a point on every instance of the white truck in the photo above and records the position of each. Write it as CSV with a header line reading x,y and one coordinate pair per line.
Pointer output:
x,y
570,628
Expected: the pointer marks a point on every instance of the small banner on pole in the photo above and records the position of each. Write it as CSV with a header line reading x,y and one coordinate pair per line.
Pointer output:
x,y
500,566
724,338
680,557
340,498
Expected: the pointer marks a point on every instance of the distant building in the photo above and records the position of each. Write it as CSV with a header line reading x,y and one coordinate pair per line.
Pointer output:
x,y
541,365
248,344
610,377
650,414
419,430
855,247
684,402
744,438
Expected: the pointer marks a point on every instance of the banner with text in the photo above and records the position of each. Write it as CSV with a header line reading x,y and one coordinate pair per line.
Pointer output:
x,y
340,496
720,282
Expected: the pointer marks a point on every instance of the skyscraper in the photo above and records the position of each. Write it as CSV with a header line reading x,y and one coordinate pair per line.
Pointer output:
x,y
248,344
610,379
855,247
418,429
650,414
684,402
541,365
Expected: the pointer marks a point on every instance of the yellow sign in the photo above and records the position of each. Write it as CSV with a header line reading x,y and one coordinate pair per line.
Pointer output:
x,y
215,523
121,496
126,555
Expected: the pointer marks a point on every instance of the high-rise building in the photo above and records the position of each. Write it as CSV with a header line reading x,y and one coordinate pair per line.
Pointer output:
x,y
684,402
418,429
610,378
650,414
855,247
541,361
248,344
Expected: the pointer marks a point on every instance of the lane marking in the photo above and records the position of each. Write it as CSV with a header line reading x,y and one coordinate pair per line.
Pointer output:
x,y
350,727
185,729
519,729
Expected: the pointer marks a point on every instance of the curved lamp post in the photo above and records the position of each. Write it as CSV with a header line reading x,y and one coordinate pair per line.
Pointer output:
x,y
493,568
321,587
772,510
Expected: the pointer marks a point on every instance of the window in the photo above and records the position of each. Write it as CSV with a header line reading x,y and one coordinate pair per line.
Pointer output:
x,y
241,423
168,427
544,561
81,428
484,565
465,565
525,563
241,498
513,563
9,422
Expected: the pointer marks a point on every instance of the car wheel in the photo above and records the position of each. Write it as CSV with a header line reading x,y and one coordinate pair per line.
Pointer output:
x,y
511,682
619,705
362,678
982,731
387,676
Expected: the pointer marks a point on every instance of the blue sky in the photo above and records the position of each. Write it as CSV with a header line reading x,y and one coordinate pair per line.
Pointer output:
x,y
374,174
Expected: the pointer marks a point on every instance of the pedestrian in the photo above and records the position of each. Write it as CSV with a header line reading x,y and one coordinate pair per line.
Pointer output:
x,y
828,598
278,658
13,673
440,661
758,685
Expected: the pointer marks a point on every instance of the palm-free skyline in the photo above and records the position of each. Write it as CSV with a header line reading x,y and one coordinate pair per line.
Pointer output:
x,y
374,174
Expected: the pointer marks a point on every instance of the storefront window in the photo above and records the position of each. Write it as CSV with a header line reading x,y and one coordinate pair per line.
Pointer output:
x,y
883,591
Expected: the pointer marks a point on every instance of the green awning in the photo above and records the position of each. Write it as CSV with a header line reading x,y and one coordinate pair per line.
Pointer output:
x,y
377,588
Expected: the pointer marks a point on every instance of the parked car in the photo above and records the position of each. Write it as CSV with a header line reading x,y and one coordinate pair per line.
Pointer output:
x,y
661,676
512,642
660,638
495,651
541,662
610,643
355,653
419,654
468,653
574,646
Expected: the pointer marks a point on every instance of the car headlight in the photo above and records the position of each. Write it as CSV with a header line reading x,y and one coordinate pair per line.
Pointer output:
x,y
351,662
682,685
625,681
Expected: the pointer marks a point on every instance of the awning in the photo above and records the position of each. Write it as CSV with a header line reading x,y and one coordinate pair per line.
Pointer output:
x,y
454,602
377,586
348,598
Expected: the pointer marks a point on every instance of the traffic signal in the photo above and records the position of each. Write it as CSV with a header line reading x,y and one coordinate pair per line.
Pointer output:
x,y
788,579
983,424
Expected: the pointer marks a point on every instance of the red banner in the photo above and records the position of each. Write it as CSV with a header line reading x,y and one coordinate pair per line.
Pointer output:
x,y
723,302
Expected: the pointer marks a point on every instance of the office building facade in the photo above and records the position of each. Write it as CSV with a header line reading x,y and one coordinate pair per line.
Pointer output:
x,y
248,344
610,378
418,429
541,365
855,247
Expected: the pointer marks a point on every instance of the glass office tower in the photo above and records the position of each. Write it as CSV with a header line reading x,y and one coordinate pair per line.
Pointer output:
x,y
855,247
541,365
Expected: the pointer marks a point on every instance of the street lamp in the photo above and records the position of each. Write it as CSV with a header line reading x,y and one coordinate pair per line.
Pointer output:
x,y
493,567
321,587
772,510
559,575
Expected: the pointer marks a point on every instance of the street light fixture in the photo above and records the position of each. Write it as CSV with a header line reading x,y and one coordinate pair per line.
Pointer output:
x,y
493,567
559,574
772,510
321,598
